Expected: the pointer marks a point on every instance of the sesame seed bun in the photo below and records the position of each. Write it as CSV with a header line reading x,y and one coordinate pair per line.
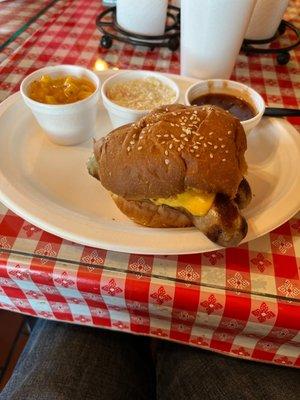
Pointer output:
x,y
172,149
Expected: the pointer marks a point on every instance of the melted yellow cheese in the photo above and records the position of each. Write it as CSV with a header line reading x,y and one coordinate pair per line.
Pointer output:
x,y
194,202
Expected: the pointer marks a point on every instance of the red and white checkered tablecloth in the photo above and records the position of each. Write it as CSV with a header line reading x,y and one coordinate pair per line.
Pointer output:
x,y
19,19
244,302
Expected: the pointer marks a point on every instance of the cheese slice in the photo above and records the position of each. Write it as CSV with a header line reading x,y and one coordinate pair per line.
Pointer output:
x,y
194,202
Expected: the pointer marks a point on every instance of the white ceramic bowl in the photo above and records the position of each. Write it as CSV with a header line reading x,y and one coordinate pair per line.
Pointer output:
x,y
229,87
120,115
65,124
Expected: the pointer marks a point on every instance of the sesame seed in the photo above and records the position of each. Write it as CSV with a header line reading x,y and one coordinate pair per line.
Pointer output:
x,y
215,146
201,137
187,130
176,140
195,147
166,152
163,142
182,123
132,142
210,133
186,139
182,135
222,145
140,148
211,155
170,146
166,135
192,151
224,159
172,124
197,155
220,139
179,148
182,145
226,151
128,148
204,144
167,161
229,132
210,143
158,135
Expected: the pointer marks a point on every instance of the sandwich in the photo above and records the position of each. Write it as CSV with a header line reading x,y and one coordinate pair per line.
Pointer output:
x,y
178,166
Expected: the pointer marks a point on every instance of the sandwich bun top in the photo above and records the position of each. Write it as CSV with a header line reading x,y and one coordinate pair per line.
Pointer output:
x,y
173,149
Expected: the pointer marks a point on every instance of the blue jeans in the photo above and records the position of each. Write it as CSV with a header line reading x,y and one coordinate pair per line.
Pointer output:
x,y
63,362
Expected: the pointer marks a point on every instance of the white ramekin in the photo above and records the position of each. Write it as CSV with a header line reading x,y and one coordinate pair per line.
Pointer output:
x,y
122,115
229,87
65,124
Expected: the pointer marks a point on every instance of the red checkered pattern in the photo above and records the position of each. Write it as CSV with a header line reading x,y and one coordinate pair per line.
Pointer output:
x,y
28,16
243,302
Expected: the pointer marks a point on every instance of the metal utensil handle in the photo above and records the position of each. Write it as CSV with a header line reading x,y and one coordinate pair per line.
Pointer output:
x,y
281,112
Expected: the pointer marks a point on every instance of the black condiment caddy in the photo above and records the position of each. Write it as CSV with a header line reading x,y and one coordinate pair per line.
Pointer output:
x,y
282,53
108,26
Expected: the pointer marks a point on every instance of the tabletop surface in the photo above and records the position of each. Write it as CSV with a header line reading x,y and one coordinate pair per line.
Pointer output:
x,y
256,284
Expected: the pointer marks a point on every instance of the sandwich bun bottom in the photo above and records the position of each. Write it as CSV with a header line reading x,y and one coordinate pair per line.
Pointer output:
x,y
146,213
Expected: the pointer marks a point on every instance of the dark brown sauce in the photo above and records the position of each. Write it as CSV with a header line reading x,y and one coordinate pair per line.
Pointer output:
x,y
238,107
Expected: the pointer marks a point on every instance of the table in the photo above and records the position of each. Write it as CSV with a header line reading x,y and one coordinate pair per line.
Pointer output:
x,y
27,17
244,302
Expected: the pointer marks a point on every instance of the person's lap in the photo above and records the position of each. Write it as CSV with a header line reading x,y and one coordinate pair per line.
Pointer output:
x,y
71,362
201,374
64,362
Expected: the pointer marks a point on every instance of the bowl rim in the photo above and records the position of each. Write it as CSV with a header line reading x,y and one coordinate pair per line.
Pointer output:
x,y
25,83
260,108
117,107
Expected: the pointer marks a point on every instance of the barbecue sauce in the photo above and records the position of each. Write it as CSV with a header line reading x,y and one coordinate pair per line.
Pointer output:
x,y
238,107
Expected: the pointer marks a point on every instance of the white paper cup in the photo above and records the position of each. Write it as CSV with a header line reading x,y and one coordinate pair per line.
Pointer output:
x,y
144,17
65,124
212,32
233,88
120,115
265,19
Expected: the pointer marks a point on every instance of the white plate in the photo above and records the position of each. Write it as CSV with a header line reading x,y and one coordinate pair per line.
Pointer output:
x,y
49,186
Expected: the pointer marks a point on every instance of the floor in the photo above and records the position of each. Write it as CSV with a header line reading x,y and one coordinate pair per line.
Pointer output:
x,y
14,333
